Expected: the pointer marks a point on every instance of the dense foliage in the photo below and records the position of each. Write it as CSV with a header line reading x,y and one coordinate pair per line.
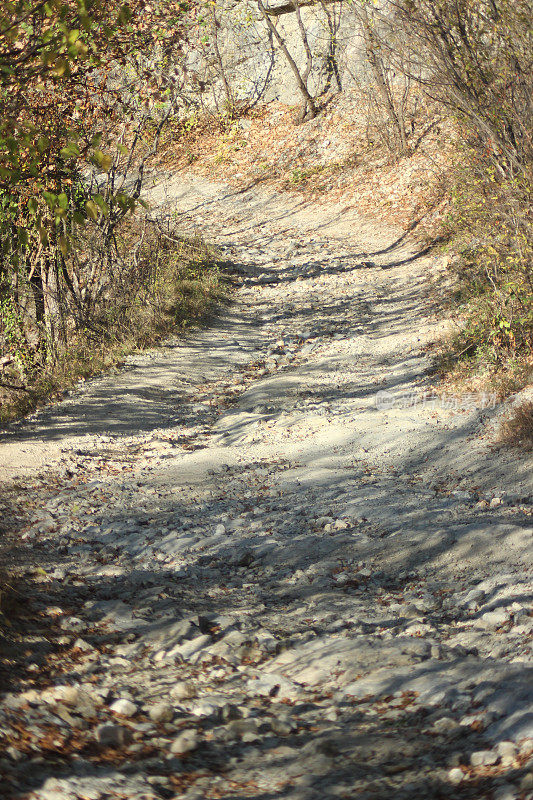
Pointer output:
x,y
84,90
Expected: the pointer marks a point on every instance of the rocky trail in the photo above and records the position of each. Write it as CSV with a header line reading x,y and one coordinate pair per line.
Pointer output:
x,y
265,560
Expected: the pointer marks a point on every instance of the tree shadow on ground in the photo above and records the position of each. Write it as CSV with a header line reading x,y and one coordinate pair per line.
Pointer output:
x,y
388,754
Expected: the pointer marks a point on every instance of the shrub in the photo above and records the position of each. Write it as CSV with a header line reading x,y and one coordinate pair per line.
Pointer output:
x,y
517,429
490,223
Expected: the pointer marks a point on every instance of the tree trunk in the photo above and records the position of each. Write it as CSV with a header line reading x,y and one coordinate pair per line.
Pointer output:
x,y
378,70
230,100
309,107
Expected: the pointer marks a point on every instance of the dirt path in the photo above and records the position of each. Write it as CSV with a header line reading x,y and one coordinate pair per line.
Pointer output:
x,y
272,564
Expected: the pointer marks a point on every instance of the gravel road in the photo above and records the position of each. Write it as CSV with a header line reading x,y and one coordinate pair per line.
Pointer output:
x,y
266,560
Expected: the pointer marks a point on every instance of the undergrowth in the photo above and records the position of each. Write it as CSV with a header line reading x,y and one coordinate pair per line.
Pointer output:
x,y
490,234
162,285
517,429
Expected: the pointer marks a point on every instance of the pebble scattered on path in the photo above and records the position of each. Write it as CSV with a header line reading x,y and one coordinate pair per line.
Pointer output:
x,y
251,579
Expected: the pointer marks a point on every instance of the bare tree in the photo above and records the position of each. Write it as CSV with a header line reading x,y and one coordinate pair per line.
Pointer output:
x,y
477,60
332,67
376,59
309,109
230,99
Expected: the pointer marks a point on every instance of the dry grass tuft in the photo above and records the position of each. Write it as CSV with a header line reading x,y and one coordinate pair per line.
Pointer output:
x,y
171,284
517,429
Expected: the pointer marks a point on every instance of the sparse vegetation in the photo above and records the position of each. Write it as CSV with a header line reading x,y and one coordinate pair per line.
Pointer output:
x,y
159,284
490,231
479,66
517,429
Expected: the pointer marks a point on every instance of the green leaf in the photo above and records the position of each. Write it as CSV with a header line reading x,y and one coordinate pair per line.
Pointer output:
x,y
92,209
101,203
124,14
51,199
103,160
64,244
71,150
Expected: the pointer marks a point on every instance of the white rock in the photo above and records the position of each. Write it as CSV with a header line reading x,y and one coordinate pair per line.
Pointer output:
x,y
65,694
446,725
483,758
526,747
124,707
184,743
74,624
84,646
161,712
273,685
183,690
455,775
507,749
494,619
204,709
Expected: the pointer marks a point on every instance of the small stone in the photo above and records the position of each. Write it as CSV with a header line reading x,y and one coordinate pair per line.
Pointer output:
x,y
124,707
69,695
14,754
273,685
183,690
184,743
483,758
229,711
110,735
341,525
205,709
526,747
161,712
250,737
494,619
220,530
239,727
282,727
436,651
446,725
495,502
73,624
507,749
462,495
85,647
455,776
